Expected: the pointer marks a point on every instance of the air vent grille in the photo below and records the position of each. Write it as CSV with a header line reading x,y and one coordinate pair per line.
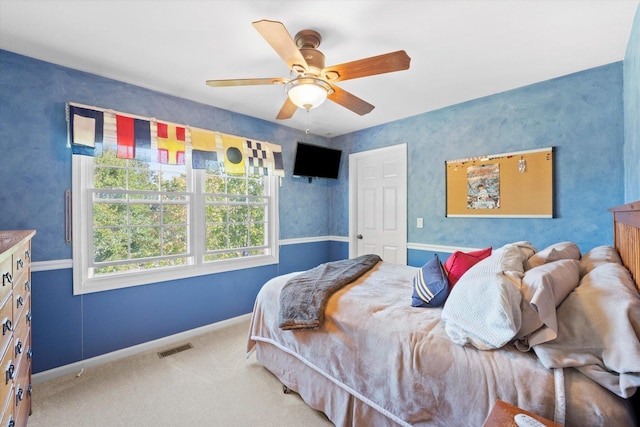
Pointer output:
x,y
174,350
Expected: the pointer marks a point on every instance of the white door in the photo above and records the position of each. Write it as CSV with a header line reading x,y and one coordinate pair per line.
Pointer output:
x,y
378,203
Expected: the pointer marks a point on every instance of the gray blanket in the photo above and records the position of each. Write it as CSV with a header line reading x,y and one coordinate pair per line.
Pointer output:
x,y
304,297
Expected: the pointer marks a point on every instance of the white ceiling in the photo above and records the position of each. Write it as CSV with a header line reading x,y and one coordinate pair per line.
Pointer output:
x,y
460,50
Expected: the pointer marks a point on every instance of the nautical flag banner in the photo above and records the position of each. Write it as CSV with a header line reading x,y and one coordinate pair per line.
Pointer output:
x,y
142,142
171,144
257,157
86,128
278,164
203,148
133,138
125,137
233,154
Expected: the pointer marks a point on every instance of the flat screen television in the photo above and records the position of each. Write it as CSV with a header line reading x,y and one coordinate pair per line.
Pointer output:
x,y
314,161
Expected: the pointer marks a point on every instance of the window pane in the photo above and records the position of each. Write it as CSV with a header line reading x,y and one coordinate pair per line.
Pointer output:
x,y
175,240
107,214
142,179
216,236
238,235
257,213
256,186
174,214
216,213
144,214
257,236
110,244
215,184
145,242
236,185
173,182
238,214
110,177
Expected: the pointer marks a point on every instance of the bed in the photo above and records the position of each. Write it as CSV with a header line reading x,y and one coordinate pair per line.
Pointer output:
x,y
376,360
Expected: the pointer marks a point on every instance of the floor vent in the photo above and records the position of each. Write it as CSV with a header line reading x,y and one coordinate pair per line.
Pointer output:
x,y
174,350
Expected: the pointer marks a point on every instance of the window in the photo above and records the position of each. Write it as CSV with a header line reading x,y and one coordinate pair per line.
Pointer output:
x,y
137,222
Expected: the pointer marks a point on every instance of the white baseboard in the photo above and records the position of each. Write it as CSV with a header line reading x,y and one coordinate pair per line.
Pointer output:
x,y
77,367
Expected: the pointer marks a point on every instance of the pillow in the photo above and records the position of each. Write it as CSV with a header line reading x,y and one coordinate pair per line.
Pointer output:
x,y
459,262
543,289
555,252
597,330
598,256
430,285
483,309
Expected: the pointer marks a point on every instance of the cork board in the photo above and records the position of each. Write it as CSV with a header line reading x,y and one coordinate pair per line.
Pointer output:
x,y
518,184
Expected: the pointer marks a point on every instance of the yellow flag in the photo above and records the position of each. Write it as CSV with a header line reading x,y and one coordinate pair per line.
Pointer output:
x,y
233,154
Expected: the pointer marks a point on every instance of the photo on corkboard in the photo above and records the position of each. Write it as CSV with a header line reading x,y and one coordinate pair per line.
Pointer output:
x,y
483,186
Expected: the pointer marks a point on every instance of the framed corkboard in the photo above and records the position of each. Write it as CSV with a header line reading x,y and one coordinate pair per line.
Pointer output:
x,y
512,185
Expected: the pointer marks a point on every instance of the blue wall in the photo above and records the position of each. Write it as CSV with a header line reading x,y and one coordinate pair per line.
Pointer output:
x,y
36,170
632,114
580,114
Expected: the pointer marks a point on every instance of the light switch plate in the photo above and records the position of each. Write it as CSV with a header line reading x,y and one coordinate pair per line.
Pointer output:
x,y
419,223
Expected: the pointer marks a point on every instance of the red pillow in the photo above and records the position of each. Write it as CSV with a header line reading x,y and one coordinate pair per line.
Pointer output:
x,y
459,262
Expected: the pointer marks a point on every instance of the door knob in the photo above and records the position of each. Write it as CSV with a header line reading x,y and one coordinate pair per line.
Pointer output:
x,y
359,236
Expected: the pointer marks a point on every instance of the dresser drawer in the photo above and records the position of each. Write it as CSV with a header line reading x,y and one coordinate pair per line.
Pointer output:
x,y
8,372
6,322
8,411
21,303
22,259
21,344
6,278
22,394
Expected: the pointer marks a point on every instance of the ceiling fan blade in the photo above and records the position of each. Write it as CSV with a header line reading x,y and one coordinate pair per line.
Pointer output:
x,y
349,101
386,63
247,82
278,37
287,110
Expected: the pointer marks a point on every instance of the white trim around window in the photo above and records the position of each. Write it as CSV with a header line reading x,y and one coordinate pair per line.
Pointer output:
x,y
82,181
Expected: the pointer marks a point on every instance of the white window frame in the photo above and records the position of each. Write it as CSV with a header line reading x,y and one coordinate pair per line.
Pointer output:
x,y
82,185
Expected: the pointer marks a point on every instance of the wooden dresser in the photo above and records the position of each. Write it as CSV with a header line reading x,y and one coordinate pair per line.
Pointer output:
x,y
15,316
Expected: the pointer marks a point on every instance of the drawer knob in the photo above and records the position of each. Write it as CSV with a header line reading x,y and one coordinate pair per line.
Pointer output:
x,y
27,285
8,375
28,316
19,264
27,254
12,422
6,326
18,348
7,279
29,353
19,395
19,301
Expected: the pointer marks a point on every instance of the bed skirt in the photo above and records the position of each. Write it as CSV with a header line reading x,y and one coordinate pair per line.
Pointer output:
x,y
318,391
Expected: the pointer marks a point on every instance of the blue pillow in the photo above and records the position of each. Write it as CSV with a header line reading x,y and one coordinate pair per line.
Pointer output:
x,y
430,285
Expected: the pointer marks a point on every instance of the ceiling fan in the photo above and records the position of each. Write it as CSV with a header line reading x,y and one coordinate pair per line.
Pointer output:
x,y
313,82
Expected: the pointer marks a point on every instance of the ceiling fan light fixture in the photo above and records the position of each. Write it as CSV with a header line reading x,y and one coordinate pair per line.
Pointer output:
x,y
308,92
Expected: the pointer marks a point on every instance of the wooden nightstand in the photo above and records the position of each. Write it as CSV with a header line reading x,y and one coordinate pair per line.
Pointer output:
x,y
502,416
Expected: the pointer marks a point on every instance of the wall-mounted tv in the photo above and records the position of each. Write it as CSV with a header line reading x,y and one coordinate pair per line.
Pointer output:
x,y
314,161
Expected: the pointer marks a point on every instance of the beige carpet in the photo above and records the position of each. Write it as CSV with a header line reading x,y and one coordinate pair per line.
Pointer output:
x,y
211,384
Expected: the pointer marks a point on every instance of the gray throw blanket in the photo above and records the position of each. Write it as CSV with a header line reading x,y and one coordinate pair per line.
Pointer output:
x,y
303,298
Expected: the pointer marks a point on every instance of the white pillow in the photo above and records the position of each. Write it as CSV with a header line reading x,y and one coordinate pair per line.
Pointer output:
x,y
598,330
543,289
555,252
598,256
483,309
